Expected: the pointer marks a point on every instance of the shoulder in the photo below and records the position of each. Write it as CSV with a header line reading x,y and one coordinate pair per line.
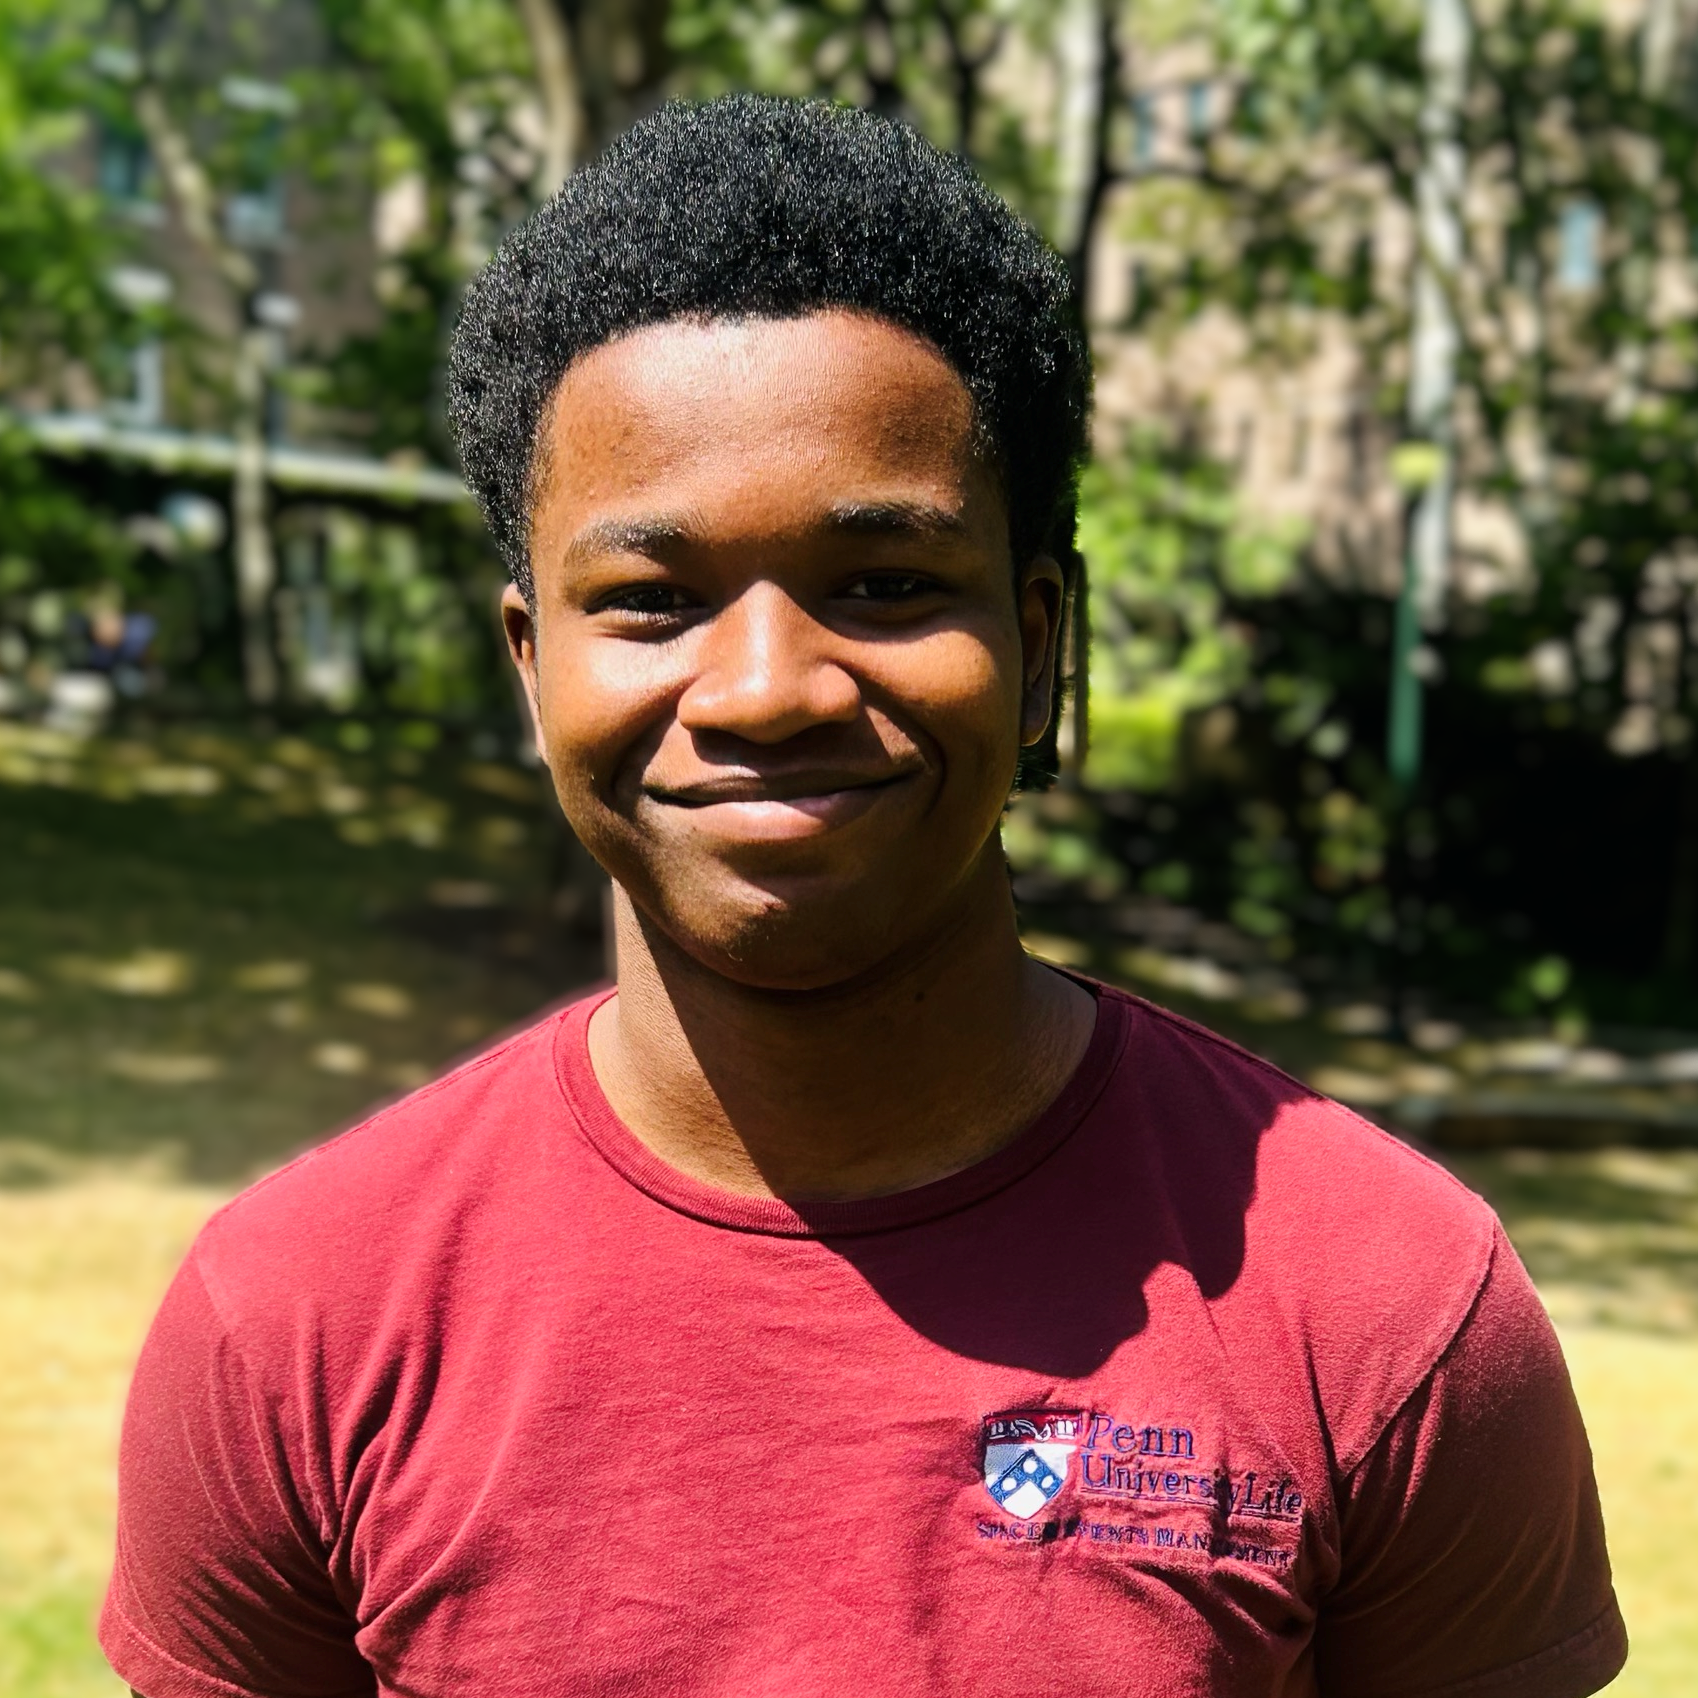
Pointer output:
x,y
407,1177
1356,1249
1320,1167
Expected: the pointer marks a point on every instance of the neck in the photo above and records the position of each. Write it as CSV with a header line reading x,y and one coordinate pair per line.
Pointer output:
x,y
918,1069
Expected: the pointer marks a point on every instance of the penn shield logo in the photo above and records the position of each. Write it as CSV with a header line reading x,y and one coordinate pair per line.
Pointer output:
x,y
1027,1456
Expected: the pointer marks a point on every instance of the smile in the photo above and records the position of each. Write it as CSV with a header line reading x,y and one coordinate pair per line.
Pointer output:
x,y
776,811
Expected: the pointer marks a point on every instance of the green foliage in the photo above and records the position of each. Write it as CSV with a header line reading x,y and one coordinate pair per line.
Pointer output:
x,y
1167,541
56,253
1578,413
422,646
49,529
54,249
426,97
928,62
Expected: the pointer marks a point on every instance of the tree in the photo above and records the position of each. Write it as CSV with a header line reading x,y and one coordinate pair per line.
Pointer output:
x,y
1296,214
56,300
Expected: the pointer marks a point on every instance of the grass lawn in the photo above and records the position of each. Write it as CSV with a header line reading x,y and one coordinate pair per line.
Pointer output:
x,y
214,948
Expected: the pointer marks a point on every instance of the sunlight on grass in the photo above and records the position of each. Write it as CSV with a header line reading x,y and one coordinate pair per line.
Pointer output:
x,y
384,1002
156,1068
148,972
263,976
82,1266
218,972
1640,1395
1611,1236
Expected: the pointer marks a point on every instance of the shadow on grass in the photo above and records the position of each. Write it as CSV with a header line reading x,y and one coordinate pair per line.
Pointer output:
x,y
210,980
1611,1236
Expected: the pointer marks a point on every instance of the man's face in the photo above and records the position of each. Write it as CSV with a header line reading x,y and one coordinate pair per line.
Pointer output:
x,y
780,662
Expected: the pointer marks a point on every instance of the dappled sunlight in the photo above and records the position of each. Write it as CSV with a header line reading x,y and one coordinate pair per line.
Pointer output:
x,y
370,797
1610,1235
148,972
1464,1078
210,998
349,1060
462,893
157,1068
263,976
219,971
384,1002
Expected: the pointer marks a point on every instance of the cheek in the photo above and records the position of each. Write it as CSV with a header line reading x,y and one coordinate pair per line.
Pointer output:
x,y
963,688
599,701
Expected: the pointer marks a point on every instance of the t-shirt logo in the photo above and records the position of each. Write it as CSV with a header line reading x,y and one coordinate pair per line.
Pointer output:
x,y
1027,1455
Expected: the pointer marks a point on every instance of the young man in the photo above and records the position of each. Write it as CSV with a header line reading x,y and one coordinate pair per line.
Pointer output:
x,y
850,1303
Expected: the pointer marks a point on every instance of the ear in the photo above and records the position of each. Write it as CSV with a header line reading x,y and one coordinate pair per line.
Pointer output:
x,y
1041,602
519,624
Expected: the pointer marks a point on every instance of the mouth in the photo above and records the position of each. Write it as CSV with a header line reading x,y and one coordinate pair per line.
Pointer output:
x,y
780,808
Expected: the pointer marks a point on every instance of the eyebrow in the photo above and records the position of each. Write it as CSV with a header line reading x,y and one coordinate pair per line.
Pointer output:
x,y
628,536
655,537
895,518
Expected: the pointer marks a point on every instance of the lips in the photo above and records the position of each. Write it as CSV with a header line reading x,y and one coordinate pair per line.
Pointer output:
x,y
790,787
778,808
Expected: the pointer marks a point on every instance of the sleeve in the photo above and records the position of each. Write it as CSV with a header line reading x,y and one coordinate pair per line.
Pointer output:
x,y
1473,1559
220,1587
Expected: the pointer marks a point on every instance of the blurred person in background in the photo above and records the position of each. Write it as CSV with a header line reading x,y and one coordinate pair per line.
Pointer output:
x,y
847,1301
118,644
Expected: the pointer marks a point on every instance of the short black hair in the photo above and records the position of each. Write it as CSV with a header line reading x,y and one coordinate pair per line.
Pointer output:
x,y
751,206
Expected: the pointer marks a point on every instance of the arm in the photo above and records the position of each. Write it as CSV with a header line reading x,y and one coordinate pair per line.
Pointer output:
x,y
221,1583
1473,1546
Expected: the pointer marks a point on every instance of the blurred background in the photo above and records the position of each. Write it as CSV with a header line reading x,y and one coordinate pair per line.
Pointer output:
x,y
1387,764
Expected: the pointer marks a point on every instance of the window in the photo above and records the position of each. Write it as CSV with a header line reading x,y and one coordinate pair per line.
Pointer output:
x,y
1578,241
1297,448
1359,285
1359,444
1143,129
1244,449
126,167
1137,286
124,170
1199,108
254,215
135,381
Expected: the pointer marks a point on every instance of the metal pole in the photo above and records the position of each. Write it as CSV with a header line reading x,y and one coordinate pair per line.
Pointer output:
x,y
1446,36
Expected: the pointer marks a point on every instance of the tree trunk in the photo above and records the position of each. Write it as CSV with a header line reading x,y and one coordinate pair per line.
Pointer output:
x,y
1089,68
195,201
256,561
555,61
1659,40
624,60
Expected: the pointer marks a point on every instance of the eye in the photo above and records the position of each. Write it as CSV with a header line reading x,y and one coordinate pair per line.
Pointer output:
x,y
645,601
890,587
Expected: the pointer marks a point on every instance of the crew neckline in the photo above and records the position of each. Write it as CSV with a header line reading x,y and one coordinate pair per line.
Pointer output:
x,y
635,1162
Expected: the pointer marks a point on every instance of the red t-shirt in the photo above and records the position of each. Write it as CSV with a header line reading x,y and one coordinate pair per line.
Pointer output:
x,y
1202,1386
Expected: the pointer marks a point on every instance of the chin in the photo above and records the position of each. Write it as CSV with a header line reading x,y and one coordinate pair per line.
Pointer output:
x,y
770,940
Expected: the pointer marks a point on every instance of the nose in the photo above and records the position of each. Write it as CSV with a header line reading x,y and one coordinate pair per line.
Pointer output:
x,y
765,672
